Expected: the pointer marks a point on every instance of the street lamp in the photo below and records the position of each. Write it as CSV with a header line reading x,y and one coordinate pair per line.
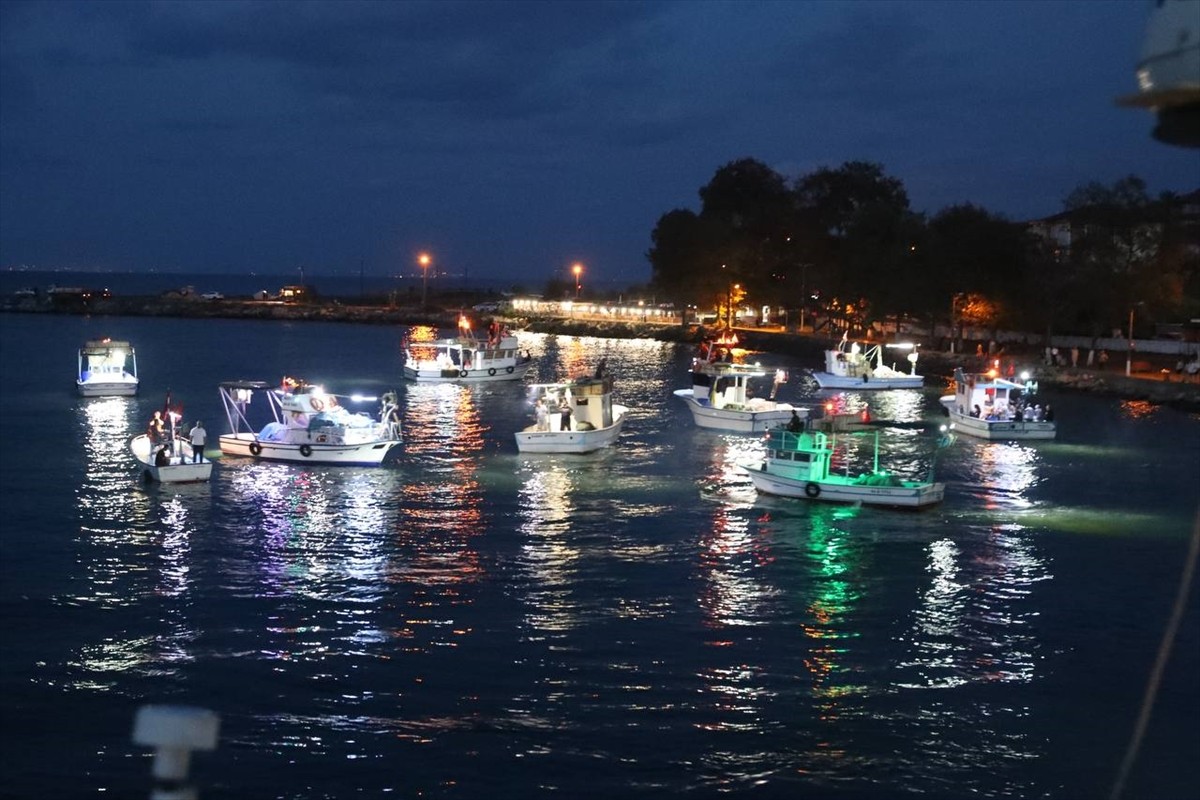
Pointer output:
x,y
1129,349
424,260
803,292
578,270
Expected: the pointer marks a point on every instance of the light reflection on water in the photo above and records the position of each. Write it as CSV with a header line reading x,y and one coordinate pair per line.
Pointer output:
x,y
635,622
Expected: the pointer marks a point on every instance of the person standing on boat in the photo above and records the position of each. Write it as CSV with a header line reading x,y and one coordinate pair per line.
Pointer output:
x,y
795,424
155,430
564,410
162,458
543,417
197,436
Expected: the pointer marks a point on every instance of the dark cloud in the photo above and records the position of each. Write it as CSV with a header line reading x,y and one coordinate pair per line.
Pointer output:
x,y
260,134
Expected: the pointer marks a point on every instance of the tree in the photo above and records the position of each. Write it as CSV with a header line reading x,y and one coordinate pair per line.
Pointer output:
x,y
856,222
974,252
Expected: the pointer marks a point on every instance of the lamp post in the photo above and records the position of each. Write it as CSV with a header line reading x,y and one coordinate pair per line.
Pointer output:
x,y
578,270
424,260
803,293
1129,349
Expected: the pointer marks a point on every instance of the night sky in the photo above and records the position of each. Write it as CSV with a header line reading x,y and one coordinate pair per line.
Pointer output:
x,y
513,139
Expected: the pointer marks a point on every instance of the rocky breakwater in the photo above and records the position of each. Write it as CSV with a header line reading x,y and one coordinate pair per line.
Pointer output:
x,y
197,308
1175,391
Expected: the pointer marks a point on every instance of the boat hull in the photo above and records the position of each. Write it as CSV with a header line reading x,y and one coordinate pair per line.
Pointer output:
x,y
532,440
732,420
180,470
1002,430
107,388
909,495
248,445
435,375
827,380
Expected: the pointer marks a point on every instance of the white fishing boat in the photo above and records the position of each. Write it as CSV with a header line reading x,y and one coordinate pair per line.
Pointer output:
x,y
988,406
799,464
851,366
301,422
719,398
174,465
576,416
165,454
466,358
107,368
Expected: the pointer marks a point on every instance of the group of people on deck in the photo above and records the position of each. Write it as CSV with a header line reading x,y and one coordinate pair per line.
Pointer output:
x,y
160,438
562,408
1016,411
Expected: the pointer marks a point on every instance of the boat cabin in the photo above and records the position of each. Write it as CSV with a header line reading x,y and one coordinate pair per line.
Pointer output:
x,y
808,456
102,359
724,385
588,399
803,456
988,396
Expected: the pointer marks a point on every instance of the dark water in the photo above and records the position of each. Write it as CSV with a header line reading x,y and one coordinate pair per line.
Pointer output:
x,y
467,622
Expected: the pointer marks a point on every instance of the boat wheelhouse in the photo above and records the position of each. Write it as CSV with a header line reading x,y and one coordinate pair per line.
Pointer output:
x,y
301,422
107,368
987,406
851,366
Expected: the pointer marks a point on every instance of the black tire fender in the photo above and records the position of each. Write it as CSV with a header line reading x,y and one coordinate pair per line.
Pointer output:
x,y
305,450
492,371
255,448
812,490
509,370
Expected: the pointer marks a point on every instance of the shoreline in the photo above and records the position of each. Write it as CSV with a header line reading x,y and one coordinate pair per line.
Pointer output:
x,y
1147,384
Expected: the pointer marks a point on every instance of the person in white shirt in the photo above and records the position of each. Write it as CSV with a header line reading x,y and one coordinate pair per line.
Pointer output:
x,y
197,437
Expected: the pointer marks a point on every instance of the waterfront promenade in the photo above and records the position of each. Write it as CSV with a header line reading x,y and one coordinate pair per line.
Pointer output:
x,y
1153,378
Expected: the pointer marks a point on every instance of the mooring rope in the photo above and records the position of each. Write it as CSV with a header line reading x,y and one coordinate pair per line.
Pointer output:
x,y
1160,663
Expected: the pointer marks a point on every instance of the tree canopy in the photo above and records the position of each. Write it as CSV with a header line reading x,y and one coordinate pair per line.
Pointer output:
x,y
847,237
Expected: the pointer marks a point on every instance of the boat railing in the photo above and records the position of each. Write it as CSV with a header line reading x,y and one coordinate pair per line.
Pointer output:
x,y
784,439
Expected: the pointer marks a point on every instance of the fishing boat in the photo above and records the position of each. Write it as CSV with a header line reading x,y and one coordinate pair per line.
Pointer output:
x,y
576,416
719,398
164,453
851,366
301,422
107,368
466,358
175,465
988,406
799,464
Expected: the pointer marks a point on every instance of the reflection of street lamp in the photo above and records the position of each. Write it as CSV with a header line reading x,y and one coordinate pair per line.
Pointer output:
x,y
578,270
424,260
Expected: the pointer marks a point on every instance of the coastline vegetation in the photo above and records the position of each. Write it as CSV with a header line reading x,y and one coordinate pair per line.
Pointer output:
x,y
846,241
